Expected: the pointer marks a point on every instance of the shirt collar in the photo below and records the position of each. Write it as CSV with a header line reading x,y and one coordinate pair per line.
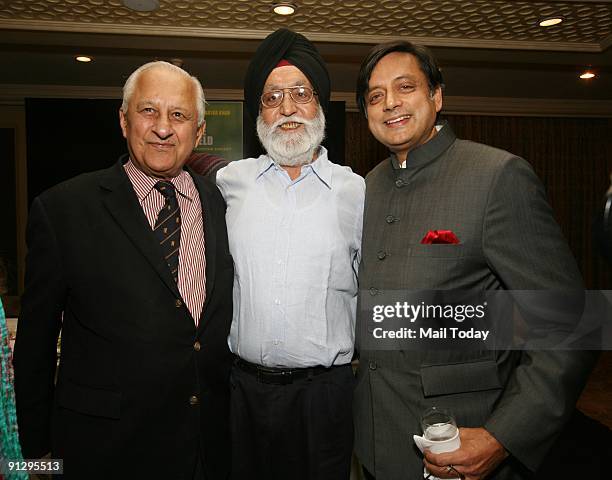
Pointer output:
x,y
430,150
321,166
265,164
143,184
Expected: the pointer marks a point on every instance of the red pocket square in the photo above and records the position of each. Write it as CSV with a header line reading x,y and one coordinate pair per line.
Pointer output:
x,y
440,236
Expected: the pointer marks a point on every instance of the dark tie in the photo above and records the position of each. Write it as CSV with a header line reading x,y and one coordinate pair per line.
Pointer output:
x,y
168,226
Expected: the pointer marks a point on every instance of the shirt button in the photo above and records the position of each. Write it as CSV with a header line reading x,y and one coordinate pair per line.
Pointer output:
x,y
373,291
381,255
390,219
275,342
399,183
277,301
193,400
178,303
197,346
372,365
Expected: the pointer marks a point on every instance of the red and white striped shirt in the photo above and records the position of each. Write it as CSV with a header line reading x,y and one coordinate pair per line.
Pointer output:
x,y
192,261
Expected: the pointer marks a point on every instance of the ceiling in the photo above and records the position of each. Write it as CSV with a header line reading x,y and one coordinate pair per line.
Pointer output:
x,y
486,48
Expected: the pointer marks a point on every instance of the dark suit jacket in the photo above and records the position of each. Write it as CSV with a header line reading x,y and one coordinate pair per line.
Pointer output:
x,y
496,206
135,395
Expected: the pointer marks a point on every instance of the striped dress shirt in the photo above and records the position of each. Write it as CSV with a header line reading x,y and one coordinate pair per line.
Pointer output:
x,y
192,261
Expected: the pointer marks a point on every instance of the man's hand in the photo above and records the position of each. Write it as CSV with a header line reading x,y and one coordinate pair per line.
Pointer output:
x,y
480,453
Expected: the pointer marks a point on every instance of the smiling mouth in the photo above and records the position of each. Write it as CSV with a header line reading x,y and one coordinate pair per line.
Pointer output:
x,y
162,146
290,125
397,120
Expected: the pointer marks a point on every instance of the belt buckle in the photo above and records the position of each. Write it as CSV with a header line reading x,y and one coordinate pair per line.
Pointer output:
x,y
275,378
286,377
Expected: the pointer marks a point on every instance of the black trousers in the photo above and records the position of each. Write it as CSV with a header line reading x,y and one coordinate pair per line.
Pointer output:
x,y
299,431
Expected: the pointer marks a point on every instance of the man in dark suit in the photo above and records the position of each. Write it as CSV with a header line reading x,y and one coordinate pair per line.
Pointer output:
x,y
131,263
447,214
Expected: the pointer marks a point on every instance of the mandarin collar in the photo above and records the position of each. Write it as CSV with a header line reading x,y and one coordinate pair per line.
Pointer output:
x,y
429,151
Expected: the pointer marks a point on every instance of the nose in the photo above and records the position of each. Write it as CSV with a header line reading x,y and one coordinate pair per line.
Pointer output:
x,y
163,127
392,101
287,106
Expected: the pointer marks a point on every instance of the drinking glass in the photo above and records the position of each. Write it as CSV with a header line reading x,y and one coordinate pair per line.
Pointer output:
x,y
438,424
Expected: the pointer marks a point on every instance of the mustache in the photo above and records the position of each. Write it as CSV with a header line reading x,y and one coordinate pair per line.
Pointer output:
x,y
292,118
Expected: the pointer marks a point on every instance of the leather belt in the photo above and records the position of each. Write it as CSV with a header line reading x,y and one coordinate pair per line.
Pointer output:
x,y
279,376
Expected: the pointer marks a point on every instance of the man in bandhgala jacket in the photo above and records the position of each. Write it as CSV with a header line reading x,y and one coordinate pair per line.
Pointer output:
x,y
442,214
131,263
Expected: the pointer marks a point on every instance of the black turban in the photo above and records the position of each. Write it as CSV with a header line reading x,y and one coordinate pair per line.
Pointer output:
x,y
298,51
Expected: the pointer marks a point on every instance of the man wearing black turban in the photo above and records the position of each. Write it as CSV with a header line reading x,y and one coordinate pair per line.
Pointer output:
x,y
294,224
295,49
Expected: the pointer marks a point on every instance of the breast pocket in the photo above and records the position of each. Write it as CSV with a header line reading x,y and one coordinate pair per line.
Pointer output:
x,y
435,266
436,250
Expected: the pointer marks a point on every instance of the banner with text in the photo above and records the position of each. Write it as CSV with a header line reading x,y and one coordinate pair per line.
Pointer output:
x,y
223,137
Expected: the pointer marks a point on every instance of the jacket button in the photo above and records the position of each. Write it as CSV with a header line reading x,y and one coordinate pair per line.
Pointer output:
x,y
178,303
381,255
399,183
193,400
372,365
390,219
197,346
373,291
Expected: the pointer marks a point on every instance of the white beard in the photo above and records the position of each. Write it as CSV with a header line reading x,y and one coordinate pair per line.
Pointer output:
x,y
292,149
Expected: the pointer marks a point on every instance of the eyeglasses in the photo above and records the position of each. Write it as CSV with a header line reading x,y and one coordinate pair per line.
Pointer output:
x,y
299,94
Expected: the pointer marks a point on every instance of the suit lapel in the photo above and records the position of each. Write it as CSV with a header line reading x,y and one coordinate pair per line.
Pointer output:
x,y
122,203
210,241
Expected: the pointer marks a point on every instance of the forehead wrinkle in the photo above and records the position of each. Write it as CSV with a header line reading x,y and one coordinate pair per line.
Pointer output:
x,y
147,82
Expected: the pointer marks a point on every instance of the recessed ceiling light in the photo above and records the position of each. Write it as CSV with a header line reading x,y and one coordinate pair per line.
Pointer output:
x,y
284,8
83,58
587,75
141,5
550,21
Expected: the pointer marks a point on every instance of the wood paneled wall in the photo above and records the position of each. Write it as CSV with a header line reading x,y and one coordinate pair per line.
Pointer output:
x,y
572,156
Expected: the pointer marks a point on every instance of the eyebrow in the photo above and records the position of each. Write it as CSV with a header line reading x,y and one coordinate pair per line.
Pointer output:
x,y
146,102
406,76
149,102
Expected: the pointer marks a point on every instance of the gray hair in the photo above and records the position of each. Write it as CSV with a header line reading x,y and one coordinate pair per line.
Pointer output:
x,y
130,84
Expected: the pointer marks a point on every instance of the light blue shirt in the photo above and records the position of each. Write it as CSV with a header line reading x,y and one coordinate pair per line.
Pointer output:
x,y
295,245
